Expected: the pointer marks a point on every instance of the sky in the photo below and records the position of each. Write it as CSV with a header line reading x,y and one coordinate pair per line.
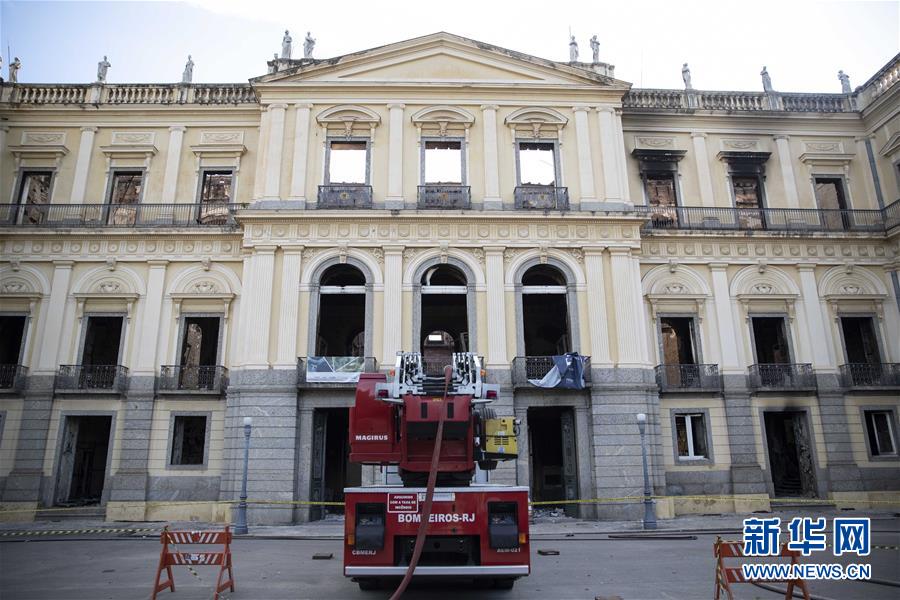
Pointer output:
x,y
803,43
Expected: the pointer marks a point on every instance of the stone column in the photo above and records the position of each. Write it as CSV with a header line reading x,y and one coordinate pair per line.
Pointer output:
x,y
608,149
256,308
629,309
273,152
621,155
259,181
52,312
151,310
173,159
393,303
704,179
585,162
816,323
728,338
496,307
492,200
597,315
82,165
301,149
395,157
787,171
290,300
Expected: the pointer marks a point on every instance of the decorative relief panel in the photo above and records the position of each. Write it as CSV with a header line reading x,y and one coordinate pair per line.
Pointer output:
x,y
746,145
654,142
823,147
131,138
221,137
43,138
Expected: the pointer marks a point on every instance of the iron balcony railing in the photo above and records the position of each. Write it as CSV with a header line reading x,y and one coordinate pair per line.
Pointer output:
x,y
541,197
688,378
92,378
333,370
12,378
871,375
797,220
782,377
202,378
207,214
444,197
536,367
344,196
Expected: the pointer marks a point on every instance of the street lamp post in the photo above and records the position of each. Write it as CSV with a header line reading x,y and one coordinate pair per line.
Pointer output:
x,y
649,514
240,522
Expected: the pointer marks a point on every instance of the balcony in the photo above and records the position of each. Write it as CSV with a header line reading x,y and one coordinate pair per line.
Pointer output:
x,y
210,214
203,379
110,379
541,197
789,220
525,368
12,378
333,371
344,196
874,376
688,378
445,197
777,377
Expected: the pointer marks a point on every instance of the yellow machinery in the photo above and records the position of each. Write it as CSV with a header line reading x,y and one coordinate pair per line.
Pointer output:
x,y
500,438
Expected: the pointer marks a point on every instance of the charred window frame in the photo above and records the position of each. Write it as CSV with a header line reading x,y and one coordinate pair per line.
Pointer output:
x,y
86,324
216,186
746,178
126,187
830,192
336,161
437,150
880,428
786,329
694,325
23,338
184,322
690,420
34,186
183,452
872,319
543,150
659,171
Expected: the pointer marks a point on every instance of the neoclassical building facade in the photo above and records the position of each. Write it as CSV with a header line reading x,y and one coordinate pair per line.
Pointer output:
x,y
176,257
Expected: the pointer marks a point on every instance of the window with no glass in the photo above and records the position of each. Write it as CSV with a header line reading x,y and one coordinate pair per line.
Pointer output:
x,y
660,189
746,191
126,187
770,340
690,433
35,187
347,162
443,162
537,163
216,186
188,440
881,433
677,337
860,341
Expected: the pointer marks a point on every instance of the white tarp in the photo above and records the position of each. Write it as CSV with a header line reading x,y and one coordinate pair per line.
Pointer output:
x,y
334,369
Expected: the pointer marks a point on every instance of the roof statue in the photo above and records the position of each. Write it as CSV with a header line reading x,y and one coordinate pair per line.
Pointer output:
x,y
686,75
766,80
308,44
595,49
188,74
845,82
286,45
14,67
573,49
102,69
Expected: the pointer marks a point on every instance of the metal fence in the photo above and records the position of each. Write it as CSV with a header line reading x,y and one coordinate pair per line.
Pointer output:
x,y
768,219
688,378
874,375
208,214
444,197
201,378
541,197
112,378
339,370
536,367
12,377
776,376
344,196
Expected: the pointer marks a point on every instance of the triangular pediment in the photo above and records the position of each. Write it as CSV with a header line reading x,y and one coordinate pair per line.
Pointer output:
x,y
436,59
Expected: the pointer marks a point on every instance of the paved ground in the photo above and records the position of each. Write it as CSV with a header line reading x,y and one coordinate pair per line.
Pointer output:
x,y
590,564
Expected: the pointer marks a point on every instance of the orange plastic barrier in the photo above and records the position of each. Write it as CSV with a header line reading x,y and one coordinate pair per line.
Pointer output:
x,y
169,558
725,576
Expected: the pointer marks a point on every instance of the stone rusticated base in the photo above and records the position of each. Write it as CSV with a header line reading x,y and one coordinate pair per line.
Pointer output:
x,y
671,507
876,501
17,512
208,512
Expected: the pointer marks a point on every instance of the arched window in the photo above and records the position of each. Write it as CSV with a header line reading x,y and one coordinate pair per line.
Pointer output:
x,y
545,311
341,327
445,305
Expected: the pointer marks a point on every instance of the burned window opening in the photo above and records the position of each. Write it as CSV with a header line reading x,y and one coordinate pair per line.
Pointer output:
x,y
678,340
537,163
690,431
444,306
200,341
545,312
188,440
881,433
82,466
12,334
35,187
551,440
102,340
332,470
216,186
860,341
770,340
790,454
347,162
126,187
443,160
342,312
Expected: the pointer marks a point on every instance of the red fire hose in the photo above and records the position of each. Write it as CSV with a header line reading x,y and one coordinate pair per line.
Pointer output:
x,y
429,492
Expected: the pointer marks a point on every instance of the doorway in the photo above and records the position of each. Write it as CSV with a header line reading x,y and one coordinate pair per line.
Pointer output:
x,y
332,470
83,460
790,454
551,448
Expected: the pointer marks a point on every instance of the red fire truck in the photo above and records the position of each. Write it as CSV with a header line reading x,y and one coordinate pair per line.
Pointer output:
x,y
437,522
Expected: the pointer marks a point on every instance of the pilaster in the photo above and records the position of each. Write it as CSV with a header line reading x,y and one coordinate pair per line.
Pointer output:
x,y
597,314
275,146
301,150
492,200
395,157
816,325
704,179
148,342
256,307
612,183
787,171
629,308
82,165
585,162
48,351
286,357
496,307
393,302
725,326
173,160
